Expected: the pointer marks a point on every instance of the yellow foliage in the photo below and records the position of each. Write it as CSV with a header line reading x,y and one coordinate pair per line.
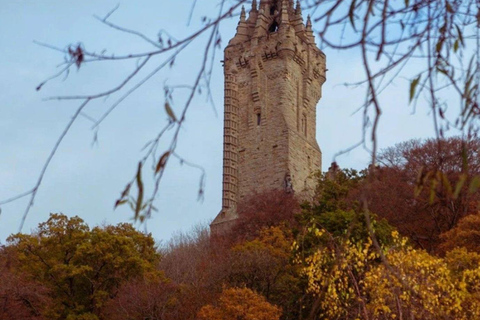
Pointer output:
x,y
353,282
240,304
273,240
417,284
334,271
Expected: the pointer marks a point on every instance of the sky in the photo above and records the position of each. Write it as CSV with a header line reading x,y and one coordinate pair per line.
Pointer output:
x,y
85,178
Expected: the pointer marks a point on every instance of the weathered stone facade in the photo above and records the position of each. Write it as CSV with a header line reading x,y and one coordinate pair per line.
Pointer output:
x,y
273,78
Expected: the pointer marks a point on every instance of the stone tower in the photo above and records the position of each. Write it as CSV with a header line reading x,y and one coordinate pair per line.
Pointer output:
x,y
273,78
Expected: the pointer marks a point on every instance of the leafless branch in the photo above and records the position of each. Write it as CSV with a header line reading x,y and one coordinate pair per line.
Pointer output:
x,y
34,190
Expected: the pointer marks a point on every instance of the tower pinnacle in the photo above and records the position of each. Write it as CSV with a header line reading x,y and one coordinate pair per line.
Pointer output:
x,y
298,9
284,13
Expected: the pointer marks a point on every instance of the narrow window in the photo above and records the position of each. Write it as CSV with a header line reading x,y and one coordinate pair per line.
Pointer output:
x,y
259,119
304,124
273,27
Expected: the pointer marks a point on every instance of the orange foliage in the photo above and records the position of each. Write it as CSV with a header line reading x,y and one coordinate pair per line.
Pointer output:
x,y
466,234
240,304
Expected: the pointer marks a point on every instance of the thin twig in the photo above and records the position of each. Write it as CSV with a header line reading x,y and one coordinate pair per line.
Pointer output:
x,y
33,192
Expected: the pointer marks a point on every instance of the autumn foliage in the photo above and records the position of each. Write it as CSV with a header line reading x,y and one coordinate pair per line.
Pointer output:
x,y
425,188
241,304
263,210
398,242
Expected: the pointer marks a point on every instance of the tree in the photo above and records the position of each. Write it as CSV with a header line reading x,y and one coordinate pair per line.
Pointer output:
x,y
264,265
197,267
241,304
424,188
422,286
147,297
20,297
263,210
82,268
334,246
353,280
466,234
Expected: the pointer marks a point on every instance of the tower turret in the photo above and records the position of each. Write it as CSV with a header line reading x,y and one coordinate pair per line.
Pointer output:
x,y
273,78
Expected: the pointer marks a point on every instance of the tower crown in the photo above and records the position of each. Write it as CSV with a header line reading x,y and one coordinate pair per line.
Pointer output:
x,y
272,18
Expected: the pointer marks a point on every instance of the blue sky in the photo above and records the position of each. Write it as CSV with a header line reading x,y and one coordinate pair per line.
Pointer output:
x,y
86,179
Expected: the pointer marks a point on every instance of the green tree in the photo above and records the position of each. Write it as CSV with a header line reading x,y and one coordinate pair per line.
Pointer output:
x,y
334,247
83,268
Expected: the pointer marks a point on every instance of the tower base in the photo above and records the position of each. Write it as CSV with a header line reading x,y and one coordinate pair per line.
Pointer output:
x,y
223,222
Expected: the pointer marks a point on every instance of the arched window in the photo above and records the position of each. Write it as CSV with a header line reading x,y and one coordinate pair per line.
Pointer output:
x,y
259,119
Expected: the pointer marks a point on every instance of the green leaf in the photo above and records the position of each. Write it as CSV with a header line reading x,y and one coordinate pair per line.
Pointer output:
x,y
170,112
455,46
413,87
474,185
407,3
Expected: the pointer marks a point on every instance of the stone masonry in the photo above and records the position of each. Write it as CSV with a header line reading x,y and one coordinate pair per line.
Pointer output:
x,y
273,78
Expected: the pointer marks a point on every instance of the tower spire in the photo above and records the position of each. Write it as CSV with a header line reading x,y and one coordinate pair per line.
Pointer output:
x,y
298,9
254,5
242,29
309,31
263,3
309,23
